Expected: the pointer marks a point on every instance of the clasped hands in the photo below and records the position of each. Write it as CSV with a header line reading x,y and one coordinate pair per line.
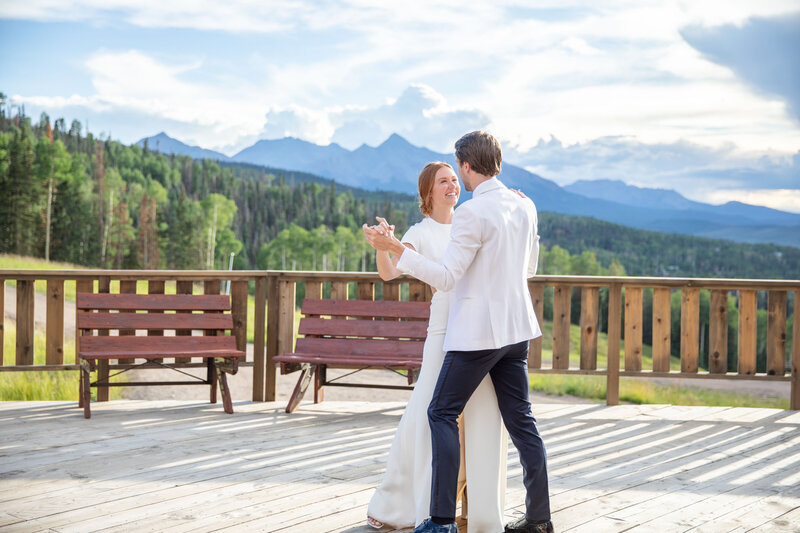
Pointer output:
x,y
381,236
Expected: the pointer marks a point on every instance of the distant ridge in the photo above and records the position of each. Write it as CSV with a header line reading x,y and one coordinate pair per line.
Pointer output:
x,y
167,145
394,165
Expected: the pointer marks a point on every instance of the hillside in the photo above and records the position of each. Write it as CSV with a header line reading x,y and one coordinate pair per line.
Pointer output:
x,y
395,163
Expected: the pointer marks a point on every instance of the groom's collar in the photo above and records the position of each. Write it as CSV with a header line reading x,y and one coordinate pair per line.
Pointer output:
x,y
488,185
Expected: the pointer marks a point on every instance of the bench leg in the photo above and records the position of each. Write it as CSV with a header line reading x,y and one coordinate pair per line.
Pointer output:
x,y
212,378
319,380
306,373
227,403
86,388
80,388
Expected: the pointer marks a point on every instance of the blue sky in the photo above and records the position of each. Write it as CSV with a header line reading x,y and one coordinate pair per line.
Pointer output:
x,y
701,97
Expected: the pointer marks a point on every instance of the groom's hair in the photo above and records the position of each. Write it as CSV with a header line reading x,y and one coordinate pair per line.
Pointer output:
x,y
481,151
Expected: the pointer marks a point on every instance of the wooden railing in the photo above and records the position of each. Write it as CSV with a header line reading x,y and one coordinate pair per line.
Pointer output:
x,y
123,281
619,300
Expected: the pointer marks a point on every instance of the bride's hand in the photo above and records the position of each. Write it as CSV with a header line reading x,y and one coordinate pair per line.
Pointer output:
x,y
384,227
518,193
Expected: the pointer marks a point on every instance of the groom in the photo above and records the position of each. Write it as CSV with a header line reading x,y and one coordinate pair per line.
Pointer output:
x,y
494,248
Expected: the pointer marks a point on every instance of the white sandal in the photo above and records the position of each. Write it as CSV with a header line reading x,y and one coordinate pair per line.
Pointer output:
x,y
375,524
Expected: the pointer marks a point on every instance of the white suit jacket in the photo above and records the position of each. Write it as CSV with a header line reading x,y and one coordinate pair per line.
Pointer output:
x,y
493,249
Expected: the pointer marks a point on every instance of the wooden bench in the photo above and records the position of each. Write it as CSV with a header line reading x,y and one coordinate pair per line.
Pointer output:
x,y
96,313
355,334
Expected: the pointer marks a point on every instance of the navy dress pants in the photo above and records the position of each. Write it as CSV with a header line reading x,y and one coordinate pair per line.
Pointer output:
x,y
460,375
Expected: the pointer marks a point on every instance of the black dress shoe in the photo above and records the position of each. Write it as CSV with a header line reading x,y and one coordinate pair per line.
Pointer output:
x,y
523,525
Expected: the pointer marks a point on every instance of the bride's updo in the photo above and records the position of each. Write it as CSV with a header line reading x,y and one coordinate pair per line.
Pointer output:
x,y
426,182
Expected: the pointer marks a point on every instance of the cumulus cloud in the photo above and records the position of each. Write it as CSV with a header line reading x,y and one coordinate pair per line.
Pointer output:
x,y
698,172
420,114
132,89
757,52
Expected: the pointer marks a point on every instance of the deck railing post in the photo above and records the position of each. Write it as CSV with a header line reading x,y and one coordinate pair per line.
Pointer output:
x,y
590,298
2,317
794,400
25,322
562,296
104,286
776,333
259,357
614,334
535,346
273,325
239,312
54,327
690,329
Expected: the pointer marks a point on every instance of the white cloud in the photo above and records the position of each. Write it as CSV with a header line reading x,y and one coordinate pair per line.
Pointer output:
x,y
713,175
782,199
614,81
420,114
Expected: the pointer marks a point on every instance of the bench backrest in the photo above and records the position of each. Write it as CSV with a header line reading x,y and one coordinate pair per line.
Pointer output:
x,y
155,318
363,328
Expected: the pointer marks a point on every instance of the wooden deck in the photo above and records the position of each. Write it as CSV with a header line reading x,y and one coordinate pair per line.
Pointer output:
x,y
187,466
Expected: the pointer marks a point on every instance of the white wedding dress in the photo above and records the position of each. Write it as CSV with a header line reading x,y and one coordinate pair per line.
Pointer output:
x,y
403,497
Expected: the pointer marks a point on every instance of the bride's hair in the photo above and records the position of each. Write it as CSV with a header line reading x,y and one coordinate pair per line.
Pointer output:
x,y
426,181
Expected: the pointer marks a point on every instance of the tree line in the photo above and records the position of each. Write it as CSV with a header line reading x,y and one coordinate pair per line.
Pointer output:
x,y
95,202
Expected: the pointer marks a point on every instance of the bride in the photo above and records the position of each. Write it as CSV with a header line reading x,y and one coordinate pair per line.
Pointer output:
x,y
403,497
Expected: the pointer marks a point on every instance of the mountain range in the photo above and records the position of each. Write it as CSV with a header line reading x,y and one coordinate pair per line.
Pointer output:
x,y
395,164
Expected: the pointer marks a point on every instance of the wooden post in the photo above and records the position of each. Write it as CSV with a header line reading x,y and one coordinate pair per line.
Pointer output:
x,y
633,329
81,285
25,322
614,331
286,311
776,333
416,291
2,317
54,353
184,287
156,287
103,286
718,332
314,290
366,290
127,286
535,347
590,301
747,332
690,329
794,402
273,325
239,312
662,326
259,361
561,313
391,291
338,290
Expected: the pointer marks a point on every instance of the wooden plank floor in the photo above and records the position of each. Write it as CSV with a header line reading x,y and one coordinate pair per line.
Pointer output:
x,y
186,466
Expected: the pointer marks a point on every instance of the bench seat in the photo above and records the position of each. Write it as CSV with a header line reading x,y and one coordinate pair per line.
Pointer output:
x,y
355,334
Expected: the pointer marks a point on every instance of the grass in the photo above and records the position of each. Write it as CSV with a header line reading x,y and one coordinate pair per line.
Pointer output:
x,y
632,390
41,385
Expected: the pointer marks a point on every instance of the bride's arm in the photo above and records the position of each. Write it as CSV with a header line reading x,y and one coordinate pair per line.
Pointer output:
x,y
387,264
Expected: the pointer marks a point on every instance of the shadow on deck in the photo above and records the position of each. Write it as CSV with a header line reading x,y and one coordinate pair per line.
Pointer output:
x,y
186,466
